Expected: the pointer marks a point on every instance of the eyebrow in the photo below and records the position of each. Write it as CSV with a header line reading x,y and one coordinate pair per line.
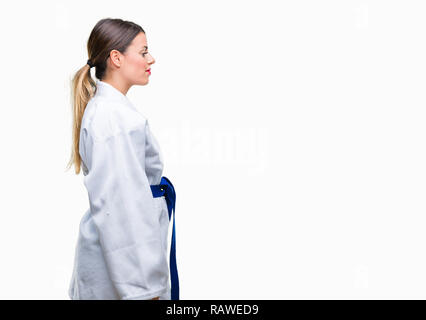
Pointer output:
x,y
145,47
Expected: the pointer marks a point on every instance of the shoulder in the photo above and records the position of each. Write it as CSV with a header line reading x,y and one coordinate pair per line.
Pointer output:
x,y
104,119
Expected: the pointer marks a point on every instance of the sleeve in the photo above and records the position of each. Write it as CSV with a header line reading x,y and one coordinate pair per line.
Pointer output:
x,y
124,212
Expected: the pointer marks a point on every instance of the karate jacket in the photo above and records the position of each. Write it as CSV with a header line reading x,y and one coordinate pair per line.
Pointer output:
x,y
121,251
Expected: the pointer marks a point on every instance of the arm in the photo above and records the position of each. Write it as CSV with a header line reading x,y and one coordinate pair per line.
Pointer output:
x,y
125,214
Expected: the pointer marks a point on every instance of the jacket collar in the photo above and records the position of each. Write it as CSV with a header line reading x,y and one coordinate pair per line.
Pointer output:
x,y
107,91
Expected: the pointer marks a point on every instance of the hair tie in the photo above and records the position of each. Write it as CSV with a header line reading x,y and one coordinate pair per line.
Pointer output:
x,y
89,63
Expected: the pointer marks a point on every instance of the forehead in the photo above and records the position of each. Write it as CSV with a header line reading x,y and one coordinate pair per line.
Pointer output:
x,y
139,42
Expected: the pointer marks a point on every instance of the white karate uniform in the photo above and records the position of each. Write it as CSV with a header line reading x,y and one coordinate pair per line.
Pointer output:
x,y
121,252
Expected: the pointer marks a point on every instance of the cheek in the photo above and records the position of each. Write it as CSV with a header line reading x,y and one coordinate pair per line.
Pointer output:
x,y
142,63
142,66
138,65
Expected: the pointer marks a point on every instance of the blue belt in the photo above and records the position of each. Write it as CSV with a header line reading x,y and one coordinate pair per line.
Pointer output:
x,y
165,188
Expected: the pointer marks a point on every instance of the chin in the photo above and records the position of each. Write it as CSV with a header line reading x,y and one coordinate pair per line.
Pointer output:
x,y
143,82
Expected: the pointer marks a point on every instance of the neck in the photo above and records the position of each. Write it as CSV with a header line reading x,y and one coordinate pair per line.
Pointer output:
x,y
119,84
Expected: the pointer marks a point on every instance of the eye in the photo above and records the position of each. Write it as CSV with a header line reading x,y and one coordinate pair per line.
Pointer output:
x,y
143,54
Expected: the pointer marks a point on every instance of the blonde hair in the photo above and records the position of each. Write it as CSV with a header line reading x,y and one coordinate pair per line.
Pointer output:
x,y
108,34
82,87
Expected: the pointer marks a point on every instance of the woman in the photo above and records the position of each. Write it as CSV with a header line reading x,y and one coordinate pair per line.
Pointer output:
x,y
121,252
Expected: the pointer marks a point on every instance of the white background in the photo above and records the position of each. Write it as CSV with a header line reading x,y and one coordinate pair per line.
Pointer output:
x,y
293,132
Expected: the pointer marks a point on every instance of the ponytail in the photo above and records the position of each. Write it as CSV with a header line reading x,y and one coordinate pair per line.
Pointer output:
x,y
82,89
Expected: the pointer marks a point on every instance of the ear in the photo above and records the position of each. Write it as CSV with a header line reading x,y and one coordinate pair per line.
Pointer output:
x,y
116,58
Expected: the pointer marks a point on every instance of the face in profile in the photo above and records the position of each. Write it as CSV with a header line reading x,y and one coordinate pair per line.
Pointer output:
x,y
137,61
